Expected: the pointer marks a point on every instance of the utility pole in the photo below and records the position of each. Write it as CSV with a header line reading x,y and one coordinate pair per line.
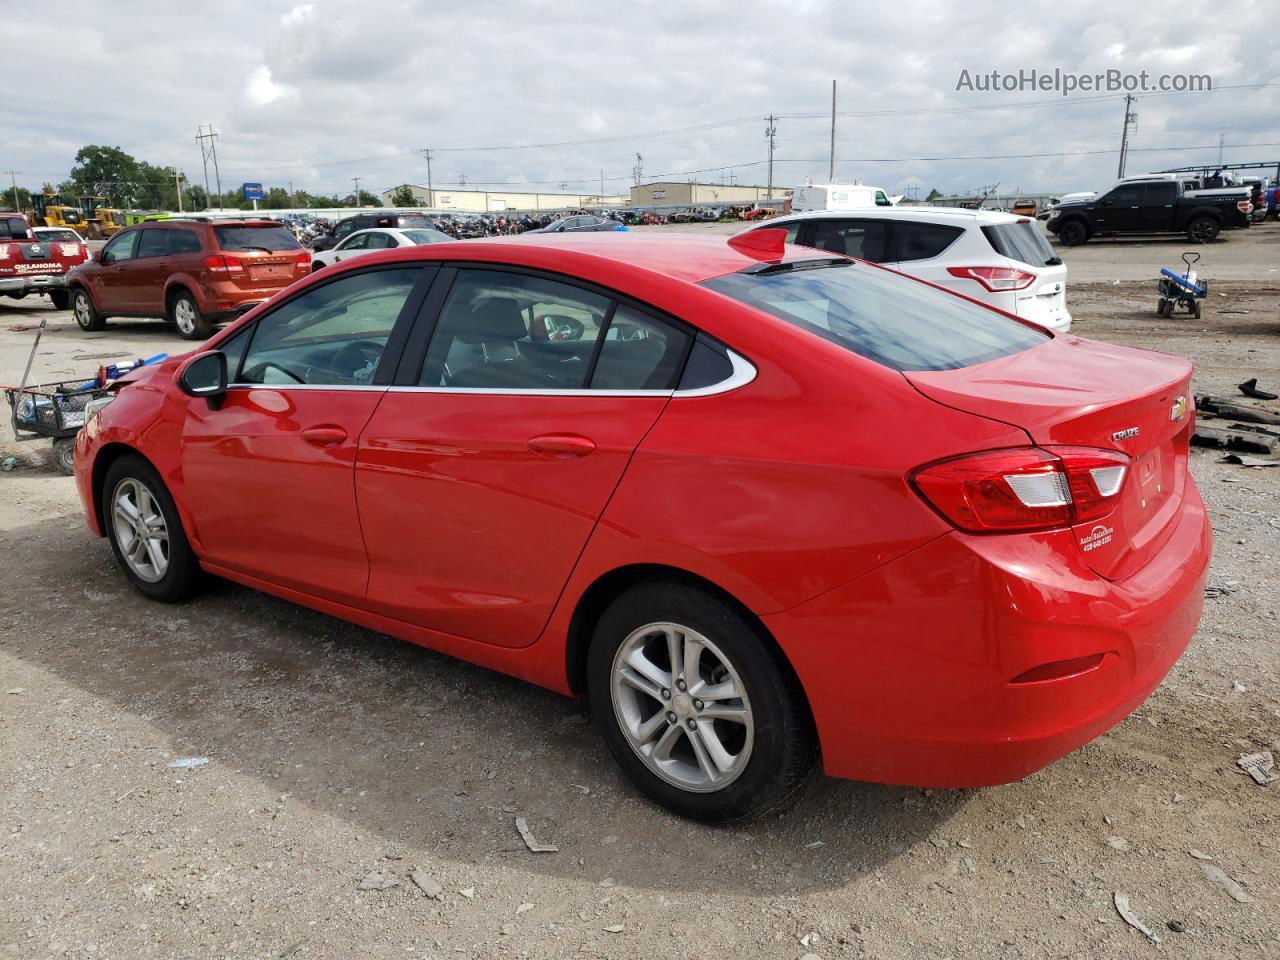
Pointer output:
x,y
1221,138
1129,117
431,194
462,181
13,176
770,131
602,186
177,187
207,151
637,172
293,202
356,181
831,166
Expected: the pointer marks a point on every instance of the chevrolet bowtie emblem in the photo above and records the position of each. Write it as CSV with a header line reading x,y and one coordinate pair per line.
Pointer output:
x,y
1179,409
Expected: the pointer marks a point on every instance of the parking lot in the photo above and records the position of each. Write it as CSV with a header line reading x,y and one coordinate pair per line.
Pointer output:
x,y
336,755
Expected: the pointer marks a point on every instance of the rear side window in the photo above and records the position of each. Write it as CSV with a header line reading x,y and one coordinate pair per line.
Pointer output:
x,y
12,228
153,243
923,241
708,364
1021,241
868,239
639,353
183,241
894,320
269,239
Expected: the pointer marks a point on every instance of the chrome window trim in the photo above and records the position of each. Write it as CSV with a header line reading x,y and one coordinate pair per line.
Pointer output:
x,y
533,392
744,372
308,386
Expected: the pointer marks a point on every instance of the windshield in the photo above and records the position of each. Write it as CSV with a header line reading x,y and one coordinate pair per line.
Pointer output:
x,y
256,238
893,320
427,236
1021,241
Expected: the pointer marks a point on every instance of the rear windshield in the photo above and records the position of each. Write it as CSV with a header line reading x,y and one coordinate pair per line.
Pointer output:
x,y
58,236
11,228
256,238
427,236
1023,242
891,319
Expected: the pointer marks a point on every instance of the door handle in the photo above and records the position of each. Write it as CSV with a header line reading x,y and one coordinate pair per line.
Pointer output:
x,y
562,446
324,436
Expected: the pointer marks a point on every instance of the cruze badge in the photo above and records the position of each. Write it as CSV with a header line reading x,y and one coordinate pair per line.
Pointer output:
x,y
1125,434
1179,409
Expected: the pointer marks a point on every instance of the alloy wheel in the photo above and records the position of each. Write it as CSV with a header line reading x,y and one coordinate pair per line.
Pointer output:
x,y
83,315
184,315
682,706
140,530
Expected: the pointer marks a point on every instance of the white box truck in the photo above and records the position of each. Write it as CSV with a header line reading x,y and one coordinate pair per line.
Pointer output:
x,y
838,196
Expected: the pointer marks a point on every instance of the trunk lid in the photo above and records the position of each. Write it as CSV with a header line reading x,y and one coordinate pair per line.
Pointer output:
x,y
1074,392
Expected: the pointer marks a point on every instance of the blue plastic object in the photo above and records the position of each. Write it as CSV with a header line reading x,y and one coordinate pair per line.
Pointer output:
x,y
1182,281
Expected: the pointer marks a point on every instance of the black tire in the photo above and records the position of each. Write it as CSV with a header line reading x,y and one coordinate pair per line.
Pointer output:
x,y
182,576
87,316
64,455
316,266
784,745
1073,233
1203,230
1195,309
185,315
1162,306
61,299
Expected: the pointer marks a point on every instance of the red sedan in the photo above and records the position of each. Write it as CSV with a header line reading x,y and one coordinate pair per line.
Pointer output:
x,y
755,504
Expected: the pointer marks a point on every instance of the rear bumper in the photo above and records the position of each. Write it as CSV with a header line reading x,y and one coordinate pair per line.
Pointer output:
x,y
33,283
909,670
226,301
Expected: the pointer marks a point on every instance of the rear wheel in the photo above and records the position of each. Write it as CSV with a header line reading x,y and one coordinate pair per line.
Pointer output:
x,y
147,539
1195,309
186,316
61,299
64,454
697,705
1073,233
316,266
87,316
1202,230
1162,307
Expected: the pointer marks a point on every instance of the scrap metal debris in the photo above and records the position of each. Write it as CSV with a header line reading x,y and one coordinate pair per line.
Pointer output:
x,y
1261,766
1250,389
1245,461
1219,878
529,841
1222,407
1127,915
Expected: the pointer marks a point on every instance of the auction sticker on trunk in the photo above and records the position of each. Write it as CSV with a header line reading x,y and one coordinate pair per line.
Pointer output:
x,y
1099,536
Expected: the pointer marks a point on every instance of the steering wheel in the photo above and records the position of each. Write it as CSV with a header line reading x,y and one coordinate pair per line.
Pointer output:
x,y
356,356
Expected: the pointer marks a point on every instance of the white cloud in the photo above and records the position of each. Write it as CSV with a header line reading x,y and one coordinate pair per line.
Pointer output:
x,y
593,122
261,89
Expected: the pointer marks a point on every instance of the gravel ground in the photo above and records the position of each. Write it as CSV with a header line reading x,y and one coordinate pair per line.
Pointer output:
x,y
336,754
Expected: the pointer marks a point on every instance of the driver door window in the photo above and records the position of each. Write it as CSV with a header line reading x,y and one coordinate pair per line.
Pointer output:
x,y
379,241
332,335
121,248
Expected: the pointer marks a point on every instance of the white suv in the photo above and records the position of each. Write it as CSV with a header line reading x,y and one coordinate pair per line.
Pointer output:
x,y
998,258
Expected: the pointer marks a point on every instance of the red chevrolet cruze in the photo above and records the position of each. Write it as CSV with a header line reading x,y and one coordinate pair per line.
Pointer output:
x,y
754,503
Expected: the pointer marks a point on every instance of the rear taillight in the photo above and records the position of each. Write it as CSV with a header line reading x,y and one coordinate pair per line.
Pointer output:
x,y
303,261
4,251
995,279
84,252
217,263
1245,206
1025,488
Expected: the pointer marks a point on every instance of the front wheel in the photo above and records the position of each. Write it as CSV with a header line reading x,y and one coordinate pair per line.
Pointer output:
x,y
697,705
1073,233
185,314
147,539
87,316
1202,230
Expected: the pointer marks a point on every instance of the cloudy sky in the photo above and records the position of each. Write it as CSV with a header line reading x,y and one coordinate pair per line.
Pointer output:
x,y
548,93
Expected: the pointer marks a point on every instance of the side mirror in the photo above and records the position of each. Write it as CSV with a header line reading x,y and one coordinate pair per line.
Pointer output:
x,y
97,255
1109,201
205,376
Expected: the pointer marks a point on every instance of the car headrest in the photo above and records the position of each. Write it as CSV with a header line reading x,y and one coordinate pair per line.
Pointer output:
x,y
493,320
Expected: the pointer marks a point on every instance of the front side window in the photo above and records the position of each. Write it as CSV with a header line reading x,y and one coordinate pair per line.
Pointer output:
x,y
923,241
893,320
501,330
121,247
356,242
882,200
332,335
1126,196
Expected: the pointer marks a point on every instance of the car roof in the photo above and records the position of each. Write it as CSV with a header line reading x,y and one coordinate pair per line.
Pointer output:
x,y
686,257
923,214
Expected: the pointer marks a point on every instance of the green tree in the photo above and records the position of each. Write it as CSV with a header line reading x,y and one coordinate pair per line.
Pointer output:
x,y
277,198
106,171
934,194
403,196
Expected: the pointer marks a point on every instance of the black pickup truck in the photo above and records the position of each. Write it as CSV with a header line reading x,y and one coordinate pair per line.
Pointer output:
x,y
1157,206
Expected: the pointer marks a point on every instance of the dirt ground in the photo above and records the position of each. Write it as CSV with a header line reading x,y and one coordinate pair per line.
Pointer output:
x,y
336,753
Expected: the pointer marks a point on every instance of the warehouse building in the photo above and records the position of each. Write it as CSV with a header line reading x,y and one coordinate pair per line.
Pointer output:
x,y
673,193
495,201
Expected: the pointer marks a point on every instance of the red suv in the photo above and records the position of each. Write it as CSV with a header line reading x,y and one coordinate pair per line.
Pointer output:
x,y
193,272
